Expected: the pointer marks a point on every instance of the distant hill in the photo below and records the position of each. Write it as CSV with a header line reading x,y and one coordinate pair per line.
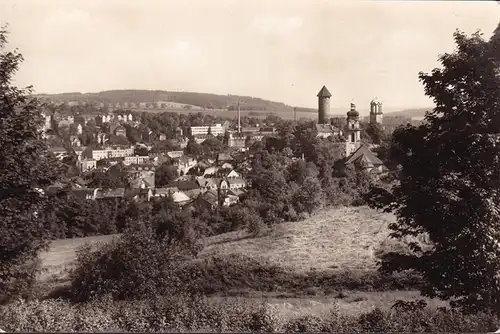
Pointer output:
x,y
417,112
200,100
197,101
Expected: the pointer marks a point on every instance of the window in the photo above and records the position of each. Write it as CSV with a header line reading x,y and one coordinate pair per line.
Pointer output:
x,y
353,137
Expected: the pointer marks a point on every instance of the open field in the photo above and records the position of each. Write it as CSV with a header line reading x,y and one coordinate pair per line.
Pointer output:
x,y
334,240
337,238
340,238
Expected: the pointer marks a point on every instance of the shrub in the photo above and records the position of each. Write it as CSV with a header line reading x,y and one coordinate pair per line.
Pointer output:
x,y
307,323
236,272
223,273
36,316
139,263
181,313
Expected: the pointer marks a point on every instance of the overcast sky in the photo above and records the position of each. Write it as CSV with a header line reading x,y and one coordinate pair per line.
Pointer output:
x,y
282,50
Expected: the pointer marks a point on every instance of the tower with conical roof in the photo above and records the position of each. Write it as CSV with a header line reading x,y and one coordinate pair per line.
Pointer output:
x,y
352,131
323,105
376,115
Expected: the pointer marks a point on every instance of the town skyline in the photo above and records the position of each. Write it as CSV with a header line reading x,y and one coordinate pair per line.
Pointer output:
x,y
279,51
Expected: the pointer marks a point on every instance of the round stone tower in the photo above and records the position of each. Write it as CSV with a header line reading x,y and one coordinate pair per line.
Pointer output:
x,y
323,105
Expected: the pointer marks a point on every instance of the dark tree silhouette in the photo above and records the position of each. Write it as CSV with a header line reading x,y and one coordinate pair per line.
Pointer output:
x,y
448,188
25,165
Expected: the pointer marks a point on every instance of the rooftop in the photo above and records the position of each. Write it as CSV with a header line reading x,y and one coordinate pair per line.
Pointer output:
x,y
324,92
365,156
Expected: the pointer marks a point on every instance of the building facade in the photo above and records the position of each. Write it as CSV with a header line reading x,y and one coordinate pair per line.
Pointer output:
x,y
352,131
117,152
376,114
215,130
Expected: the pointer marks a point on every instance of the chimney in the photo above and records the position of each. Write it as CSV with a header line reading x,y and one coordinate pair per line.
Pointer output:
x,y
239,118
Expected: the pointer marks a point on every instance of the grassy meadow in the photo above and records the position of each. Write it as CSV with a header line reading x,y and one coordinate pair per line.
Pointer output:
x,y
336,240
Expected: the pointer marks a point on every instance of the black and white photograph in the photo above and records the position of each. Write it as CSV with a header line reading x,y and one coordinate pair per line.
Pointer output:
x,y
243,166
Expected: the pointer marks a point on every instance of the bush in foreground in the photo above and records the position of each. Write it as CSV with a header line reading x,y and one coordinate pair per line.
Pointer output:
x,y
184,315
139,263
223,274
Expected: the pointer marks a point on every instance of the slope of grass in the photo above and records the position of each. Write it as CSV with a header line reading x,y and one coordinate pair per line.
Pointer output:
x,y
337,238
306,265
62,254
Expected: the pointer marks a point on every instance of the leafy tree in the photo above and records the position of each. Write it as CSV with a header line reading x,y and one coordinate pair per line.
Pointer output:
x,y
448,188
299,170
142,261
193,148
270,185
212,145
376,132
114,177
309,196
165,174
118,140
141,150
24,166
164,146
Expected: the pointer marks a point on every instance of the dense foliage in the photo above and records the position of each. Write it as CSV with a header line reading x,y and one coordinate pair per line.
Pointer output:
x,y
201,315
25,166
142,261
448,187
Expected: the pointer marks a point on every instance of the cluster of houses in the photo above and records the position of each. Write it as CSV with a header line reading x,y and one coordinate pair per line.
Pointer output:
x,y
217,183
57,120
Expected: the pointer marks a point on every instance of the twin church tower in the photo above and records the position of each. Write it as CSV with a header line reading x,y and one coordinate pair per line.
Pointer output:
x,y
352,130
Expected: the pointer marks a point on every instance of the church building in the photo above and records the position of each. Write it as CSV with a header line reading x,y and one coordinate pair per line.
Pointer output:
x,y
355,150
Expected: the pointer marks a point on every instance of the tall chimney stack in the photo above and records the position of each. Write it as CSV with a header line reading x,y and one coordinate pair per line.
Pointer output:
x,y
239,118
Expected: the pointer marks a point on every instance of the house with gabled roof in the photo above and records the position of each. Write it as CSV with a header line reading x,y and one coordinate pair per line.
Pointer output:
x,y
184,185
231,173
208,200
236,183
211,171
193,193
181,198
366,159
